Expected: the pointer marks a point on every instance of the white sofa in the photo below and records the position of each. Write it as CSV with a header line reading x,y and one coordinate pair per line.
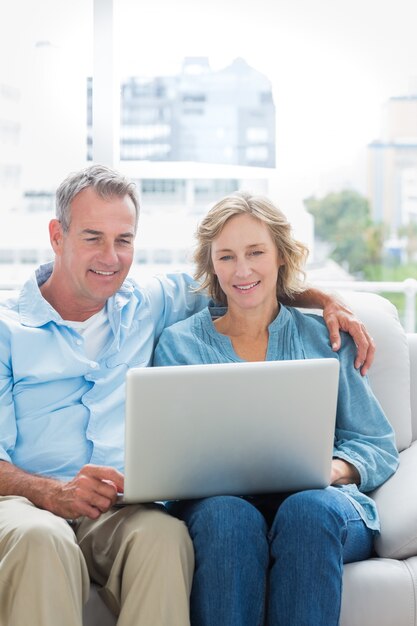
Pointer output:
x,y
381,591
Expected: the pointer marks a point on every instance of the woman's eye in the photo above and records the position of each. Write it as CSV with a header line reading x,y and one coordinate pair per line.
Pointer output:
x,y
257,252
226,257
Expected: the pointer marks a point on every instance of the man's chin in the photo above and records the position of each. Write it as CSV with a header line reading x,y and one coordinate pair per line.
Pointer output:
x,y
105,291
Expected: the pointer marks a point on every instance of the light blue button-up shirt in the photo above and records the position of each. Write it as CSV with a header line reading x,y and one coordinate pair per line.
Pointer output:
x,y
59,409
363,435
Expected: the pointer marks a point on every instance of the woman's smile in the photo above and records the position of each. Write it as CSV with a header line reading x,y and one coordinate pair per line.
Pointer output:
x,y
246,288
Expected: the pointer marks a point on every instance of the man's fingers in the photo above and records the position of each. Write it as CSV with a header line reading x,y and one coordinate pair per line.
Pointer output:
x,y
94,490
364,342
106,475
367,362
333,328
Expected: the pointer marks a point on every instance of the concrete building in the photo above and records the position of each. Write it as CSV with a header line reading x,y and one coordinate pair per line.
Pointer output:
x,y
174,197
393,165
225,116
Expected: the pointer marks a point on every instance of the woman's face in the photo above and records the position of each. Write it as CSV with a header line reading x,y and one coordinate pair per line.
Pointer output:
x,y
246,262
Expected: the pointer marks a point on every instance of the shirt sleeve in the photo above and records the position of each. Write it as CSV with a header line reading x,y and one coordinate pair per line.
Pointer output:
x,y
173,298
363,435
8,429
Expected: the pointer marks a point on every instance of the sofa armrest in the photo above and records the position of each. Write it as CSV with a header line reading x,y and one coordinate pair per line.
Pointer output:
x,y
412,345
397,505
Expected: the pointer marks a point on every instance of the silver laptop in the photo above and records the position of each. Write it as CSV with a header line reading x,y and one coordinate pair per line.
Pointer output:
x,y
235,428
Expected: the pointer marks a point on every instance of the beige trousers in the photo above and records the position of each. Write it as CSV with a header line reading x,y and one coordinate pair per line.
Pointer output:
x,y
142,558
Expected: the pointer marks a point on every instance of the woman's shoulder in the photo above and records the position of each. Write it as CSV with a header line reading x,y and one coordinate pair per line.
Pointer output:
x,y
177,344
314,331
305,319
189,324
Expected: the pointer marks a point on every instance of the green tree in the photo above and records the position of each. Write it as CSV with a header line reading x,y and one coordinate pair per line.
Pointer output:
x,y
410,233
344,220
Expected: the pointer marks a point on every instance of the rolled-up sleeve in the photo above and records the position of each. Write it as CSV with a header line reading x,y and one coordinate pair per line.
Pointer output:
x,y
363,435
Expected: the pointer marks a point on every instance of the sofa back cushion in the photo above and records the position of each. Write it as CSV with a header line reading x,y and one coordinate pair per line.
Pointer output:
x,y
412,344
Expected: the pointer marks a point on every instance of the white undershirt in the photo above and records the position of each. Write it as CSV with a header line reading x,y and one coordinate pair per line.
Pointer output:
x,y
95,332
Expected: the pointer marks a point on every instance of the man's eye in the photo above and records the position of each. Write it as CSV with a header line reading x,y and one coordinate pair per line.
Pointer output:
x,y
91,239
125,242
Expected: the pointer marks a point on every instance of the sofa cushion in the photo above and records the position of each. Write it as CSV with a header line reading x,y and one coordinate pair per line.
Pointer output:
x,y
379,592
389,376
397,505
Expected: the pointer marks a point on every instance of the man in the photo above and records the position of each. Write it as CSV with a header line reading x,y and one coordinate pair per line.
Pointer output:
x,y
66,343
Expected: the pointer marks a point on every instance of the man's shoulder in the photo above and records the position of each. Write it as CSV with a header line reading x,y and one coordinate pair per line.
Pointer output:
x,y
184,327
166,283
9,303
9,317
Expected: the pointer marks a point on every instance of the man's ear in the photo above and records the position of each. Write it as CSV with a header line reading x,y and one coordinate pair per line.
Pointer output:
x,y
56,235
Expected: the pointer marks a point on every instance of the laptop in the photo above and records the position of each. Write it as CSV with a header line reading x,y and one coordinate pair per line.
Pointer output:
x,y
236,428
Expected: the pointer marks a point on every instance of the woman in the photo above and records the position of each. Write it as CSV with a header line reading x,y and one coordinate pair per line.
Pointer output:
x,y
278,558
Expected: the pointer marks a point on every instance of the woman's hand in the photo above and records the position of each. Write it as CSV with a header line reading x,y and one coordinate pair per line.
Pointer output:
x,y
344,473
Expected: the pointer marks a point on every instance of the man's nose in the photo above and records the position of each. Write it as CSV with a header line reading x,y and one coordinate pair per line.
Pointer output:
x,y
108,253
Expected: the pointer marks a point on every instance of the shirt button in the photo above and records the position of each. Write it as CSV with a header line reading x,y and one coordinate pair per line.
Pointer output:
x,y
93,364
79,342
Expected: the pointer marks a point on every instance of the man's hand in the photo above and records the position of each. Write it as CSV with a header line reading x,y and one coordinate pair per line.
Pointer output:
x,y
92,492
339,317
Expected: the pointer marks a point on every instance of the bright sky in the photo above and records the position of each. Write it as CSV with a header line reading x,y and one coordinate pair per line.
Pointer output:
x,y
332,63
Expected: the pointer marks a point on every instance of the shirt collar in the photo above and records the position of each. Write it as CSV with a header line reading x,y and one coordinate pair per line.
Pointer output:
x,y
35,311
284,316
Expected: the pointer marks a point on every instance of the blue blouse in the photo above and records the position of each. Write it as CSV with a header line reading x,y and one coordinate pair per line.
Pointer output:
x,y
363,435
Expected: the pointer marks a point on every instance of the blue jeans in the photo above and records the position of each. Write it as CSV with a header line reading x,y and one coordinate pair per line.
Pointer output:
x,y
275,560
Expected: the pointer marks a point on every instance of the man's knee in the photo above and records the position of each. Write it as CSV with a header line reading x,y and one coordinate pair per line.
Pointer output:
x,y
41,533
42,547
157,531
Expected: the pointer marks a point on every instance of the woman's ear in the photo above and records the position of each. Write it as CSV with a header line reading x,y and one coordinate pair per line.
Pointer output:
x,y
56,235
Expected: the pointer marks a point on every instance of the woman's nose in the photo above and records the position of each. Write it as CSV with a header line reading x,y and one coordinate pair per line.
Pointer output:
x,y
243,268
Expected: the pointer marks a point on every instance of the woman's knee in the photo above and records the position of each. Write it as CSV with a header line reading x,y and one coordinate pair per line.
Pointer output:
x,y
309,511
221,517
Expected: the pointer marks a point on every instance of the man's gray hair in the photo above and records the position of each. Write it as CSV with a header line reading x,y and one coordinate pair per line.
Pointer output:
x,y
105,182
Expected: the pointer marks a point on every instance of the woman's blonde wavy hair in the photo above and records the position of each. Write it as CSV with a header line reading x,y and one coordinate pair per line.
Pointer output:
x,y
293,253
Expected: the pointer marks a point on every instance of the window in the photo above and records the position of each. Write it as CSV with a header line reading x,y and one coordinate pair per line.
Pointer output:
x,y
256,154
284,82
257,134
43,95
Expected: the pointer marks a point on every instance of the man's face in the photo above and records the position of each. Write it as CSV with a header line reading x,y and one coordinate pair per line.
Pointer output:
x,y
96,253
